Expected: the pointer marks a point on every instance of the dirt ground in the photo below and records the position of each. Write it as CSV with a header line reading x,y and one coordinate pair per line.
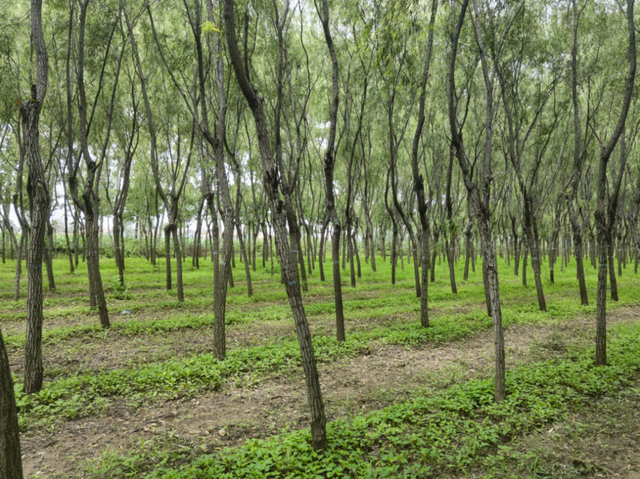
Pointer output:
x,y
351,386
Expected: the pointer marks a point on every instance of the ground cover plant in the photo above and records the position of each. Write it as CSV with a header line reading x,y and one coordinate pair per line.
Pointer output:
x,y
157,358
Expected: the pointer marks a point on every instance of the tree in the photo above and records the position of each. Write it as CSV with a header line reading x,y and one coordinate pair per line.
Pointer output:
x,y
10,457
177,170
579,152
39,198
328,167
515,94
605,213
128,141
89,200
480,192
271,182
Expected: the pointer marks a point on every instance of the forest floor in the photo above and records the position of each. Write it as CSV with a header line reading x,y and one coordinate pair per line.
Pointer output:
x,y
86,427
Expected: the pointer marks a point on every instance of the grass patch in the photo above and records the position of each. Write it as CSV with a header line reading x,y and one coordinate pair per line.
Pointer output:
x,y
449,432
89,394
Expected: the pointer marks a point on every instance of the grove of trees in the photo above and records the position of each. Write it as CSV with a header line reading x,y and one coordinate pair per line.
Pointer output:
x,y
428,131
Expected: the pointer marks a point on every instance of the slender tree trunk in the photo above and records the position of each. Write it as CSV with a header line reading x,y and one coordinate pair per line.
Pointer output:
x,y
434,253
48,256
468,246
40,200
254,247
612,267
337,285
167,255
19,250
178,253
93,268
352,268
323,233
496,310
271,252
221,282
117,251
535,265
394,250
524,265
424,284
451,261
449,243
366,246
601,310
76,240
10,457
271,185
577,246
372,247
355,249
245,259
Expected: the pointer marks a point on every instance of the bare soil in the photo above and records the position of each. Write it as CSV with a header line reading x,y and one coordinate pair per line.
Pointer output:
x,y
352,386
104,351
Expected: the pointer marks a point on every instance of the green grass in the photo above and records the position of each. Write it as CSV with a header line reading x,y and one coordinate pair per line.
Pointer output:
x,y
442,431
146,296
88,394
447,432
453,317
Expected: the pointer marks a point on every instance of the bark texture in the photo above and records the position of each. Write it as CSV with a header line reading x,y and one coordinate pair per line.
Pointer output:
x,y
10,457
271,184
40,200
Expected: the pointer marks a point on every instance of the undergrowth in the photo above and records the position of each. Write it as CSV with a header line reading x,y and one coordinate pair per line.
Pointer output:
x,y
449,432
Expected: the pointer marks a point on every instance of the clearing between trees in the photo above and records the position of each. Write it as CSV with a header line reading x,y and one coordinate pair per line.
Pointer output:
x,y
147,398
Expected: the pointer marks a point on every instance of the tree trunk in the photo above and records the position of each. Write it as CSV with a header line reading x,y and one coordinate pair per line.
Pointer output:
x,y
117,250
612,267
167,255
178,252
271,185
372,247
221,266
20,249
355,248
601,308
10,457
394,250
352,266
535,265
524,265
424,285
450,260
434,253
323,233
48,257
496,312
93,268
245,258
254,246
40,207
337,285
577,246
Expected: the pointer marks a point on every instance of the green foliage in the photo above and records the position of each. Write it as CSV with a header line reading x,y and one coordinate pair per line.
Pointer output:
x,y
389,310
208,27
444,433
